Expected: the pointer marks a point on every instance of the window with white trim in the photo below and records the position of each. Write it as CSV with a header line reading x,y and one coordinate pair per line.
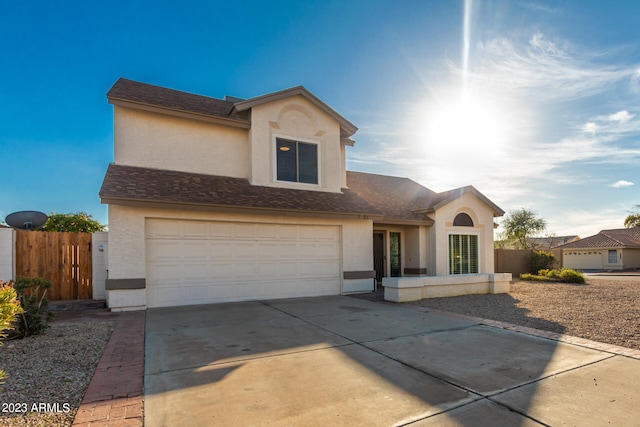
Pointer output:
x,y
613,256
463,254
296,161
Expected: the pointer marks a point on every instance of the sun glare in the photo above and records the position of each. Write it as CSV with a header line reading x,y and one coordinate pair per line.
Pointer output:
x,y
466,127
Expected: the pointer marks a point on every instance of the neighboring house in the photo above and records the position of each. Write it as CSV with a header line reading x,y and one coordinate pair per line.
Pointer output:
x,y
215,200
608,250
541,243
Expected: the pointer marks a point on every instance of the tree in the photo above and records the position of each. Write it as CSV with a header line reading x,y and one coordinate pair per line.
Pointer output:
x,y
75,222
633,220
522,223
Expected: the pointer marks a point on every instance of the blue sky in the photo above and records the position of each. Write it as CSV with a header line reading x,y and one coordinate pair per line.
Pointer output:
x,y
535,103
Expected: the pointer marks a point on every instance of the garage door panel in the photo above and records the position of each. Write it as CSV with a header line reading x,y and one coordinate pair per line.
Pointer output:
x,y
165,273
267,269
194,250
219,250
287,233
195,272
266,232
196,262
244,231
307,233
243,250
163,228
221,270
219,231
195,230
164,250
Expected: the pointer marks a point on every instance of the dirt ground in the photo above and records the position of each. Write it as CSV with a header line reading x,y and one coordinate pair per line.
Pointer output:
x,y
604,309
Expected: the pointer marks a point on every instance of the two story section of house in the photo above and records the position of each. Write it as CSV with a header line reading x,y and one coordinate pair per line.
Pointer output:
x,y
217,200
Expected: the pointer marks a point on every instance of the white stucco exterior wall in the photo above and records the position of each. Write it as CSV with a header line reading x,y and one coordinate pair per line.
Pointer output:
x,y
417,248
294,118
152,140
482,217
630,258
7,254
100,260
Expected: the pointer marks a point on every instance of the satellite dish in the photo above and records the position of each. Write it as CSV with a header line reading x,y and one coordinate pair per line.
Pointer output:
x,y
26,220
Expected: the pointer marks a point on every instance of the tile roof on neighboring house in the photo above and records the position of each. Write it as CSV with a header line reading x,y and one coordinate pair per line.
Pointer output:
x,y
126,184
616,238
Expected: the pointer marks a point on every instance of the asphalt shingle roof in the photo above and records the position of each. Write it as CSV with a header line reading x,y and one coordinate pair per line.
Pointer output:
x,y
143,93
395,197
616,238
129,183
386,197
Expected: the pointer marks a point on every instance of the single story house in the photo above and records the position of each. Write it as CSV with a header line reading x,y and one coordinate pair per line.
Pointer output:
x,y
539,243
617,249
217,200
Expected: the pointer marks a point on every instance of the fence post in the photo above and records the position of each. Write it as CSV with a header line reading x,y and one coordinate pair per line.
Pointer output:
x,y
7,254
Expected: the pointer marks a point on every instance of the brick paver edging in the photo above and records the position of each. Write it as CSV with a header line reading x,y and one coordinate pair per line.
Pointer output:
x,y
595,345
114,395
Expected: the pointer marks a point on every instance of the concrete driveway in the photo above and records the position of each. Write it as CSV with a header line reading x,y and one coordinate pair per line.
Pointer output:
x,y
345,361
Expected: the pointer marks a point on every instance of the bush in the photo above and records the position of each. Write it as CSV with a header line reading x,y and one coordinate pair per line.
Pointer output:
x,y
541,260
9,309
564,275
34,320
571,276
533,278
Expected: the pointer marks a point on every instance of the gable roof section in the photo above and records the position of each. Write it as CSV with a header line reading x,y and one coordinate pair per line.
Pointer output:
x,y
393,196
347,128
616,238
127,184
143,95
231,111
401,199
430,204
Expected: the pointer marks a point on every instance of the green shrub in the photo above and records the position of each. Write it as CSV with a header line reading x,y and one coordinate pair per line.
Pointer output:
x,y
34,319
571,276
533,278
564,275
9,309
541,260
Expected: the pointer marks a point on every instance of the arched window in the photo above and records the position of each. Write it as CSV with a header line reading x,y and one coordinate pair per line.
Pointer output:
x,y
463,220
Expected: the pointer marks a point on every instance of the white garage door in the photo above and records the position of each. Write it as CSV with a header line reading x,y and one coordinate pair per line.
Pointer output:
x,y
200,262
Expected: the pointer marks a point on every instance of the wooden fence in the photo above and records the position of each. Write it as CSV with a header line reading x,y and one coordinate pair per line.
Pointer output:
x,y
62,258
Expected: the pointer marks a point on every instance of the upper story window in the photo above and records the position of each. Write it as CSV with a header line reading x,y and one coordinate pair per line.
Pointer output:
x,y
297,161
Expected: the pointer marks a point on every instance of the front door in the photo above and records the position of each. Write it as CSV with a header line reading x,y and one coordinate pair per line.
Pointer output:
x,y
378,255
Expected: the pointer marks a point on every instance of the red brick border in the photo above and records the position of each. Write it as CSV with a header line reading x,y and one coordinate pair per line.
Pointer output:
x,y
595,345
114,395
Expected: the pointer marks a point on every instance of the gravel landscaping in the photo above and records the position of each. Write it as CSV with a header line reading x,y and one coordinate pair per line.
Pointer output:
x,y
604,309
49,374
